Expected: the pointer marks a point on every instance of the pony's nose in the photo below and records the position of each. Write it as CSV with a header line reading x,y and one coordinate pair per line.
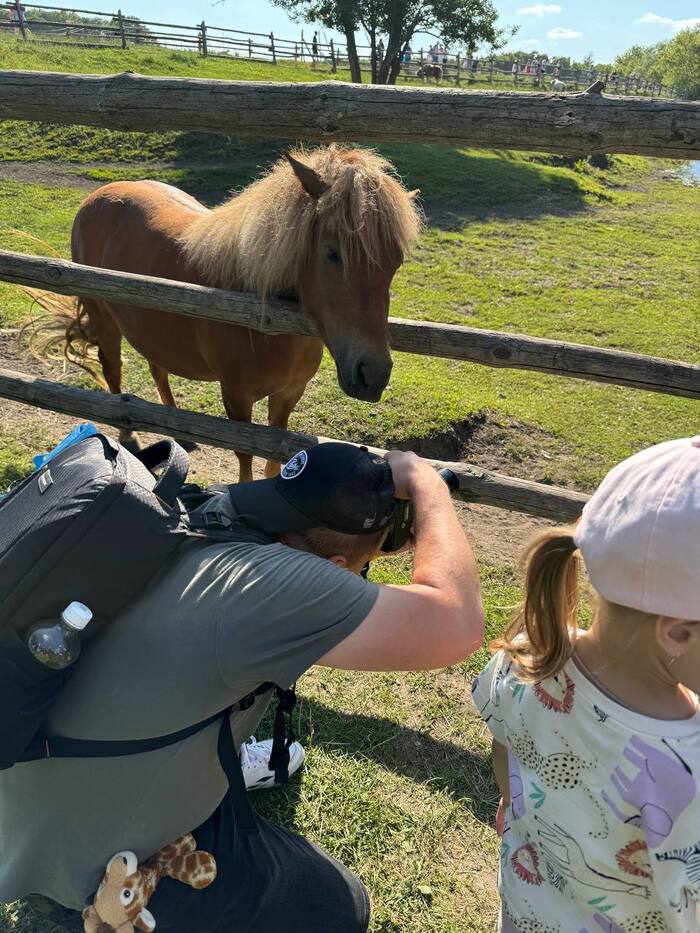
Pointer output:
x,y
370,377
105,928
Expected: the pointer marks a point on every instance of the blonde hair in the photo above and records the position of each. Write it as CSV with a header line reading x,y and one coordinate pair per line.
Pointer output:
x,y
260,238
540,637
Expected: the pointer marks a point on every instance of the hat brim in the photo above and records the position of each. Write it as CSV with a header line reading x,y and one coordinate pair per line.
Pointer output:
x,y
260,504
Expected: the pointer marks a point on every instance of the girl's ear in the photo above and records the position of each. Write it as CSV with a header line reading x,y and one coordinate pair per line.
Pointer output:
x,y
676,636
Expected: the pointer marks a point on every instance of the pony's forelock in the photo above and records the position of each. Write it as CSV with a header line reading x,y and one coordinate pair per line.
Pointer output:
x,y
259,239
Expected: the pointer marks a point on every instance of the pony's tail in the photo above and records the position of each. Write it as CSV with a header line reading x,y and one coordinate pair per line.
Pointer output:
x,y
540,637
64,331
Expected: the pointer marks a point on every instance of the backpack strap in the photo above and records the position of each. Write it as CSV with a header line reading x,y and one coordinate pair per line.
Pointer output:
x,y
175,463
60,747
41,748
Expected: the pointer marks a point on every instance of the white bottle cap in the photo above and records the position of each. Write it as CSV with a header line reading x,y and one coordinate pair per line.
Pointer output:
x,y
77,616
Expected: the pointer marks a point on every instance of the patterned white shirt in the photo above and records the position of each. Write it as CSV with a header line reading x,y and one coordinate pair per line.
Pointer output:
x,y
603,831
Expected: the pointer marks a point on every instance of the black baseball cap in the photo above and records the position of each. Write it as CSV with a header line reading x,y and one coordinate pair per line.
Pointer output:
x,y
333,485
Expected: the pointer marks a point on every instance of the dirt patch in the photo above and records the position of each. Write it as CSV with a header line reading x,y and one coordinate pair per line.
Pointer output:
x,y
491,442
46,174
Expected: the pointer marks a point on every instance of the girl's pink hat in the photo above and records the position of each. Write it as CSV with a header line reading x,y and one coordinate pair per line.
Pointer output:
x,y
640,532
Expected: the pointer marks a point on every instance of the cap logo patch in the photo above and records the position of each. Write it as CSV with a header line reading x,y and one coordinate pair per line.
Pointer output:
x,y
295,467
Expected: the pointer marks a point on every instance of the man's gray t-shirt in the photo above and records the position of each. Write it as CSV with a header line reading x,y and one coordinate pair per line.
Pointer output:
x,y
219,621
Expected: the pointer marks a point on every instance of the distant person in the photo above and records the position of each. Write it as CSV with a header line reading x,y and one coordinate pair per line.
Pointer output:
x,y
380,50
557,70
314,47
18,17
434,53
514,71
407,55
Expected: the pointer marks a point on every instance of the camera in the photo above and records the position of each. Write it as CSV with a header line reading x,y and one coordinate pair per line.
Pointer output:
x,y
402,522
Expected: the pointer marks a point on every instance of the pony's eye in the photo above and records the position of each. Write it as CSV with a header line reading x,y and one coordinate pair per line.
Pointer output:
x,y
126,896
332,255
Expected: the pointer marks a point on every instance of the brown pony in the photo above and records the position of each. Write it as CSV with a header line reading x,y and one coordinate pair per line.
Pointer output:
x,y
329,227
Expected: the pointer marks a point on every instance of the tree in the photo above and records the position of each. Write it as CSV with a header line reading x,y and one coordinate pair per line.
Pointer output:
x,y
679,63
461,23
640,60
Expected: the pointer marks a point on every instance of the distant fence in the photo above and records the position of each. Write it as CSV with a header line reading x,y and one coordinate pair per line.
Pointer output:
x,y
322,111
118,30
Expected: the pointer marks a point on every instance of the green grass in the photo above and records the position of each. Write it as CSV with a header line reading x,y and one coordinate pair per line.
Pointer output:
x,y
397,782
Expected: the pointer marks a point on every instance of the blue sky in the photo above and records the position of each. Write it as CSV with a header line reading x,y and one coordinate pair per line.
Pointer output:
x,y
604,27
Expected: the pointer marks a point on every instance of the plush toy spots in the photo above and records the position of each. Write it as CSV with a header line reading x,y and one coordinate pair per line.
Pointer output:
x,y
121,899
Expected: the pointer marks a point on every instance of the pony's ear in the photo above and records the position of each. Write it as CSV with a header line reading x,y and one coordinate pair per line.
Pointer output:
x,y
311,181
414,194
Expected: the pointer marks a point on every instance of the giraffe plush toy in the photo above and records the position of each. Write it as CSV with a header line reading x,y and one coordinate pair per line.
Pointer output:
x,y
121,899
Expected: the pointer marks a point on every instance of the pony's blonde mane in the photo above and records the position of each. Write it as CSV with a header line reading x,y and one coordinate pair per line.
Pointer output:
x,y
259,239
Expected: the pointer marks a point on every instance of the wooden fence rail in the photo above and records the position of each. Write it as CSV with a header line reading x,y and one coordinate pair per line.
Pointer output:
x,y
132,413
489,348
578,124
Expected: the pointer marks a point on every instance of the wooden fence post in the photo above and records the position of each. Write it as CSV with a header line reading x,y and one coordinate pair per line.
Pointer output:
x,y
334,64
458,66
203,28
122,32
491,70
250,48
272,48
20,19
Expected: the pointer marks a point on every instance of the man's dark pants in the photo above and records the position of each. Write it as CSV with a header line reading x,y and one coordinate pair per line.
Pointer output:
x,y
267,878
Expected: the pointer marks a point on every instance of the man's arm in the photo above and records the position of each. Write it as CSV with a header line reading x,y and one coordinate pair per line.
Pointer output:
x,y
436,620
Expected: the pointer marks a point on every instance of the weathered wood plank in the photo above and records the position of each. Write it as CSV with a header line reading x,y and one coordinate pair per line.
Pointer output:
x,y
133,413
577,124
489,348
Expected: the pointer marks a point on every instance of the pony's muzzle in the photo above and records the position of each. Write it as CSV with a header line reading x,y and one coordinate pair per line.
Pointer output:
x,y
368,378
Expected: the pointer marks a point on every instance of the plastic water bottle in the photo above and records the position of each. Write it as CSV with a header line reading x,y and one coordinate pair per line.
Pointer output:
x,y
56,644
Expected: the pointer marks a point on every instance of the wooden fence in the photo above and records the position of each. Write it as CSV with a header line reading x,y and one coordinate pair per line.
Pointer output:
x,y
120,30
578,124
341,111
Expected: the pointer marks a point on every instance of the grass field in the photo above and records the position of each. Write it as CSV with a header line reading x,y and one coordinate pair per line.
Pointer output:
x,y
397,783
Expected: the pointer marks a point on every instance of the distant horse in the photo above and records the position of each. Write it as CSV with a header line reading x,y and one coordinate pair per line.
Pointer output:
x,y
430,71
558,85
329,227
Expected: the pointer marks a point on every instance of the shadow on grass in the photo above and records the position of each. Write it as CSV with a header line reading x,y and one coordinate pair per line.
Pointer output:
x,y
441,765
456,185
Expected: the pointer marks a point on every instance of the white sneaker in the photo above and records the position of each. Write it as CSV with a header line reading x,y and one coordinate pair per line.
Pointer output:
x,y
255,756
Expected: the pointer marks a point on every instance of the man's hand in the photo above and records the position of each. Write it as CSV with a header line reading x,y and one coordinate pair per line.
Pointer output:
x,y
407,470
436,620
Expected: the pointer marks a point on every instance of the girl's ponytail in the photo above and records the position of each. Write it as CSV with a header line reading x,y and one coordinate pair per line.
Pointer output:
x,y
540,637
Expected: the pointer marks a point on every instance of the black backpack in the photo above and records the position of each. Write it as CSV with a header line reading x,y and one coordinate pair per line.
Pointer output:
x,y
93,524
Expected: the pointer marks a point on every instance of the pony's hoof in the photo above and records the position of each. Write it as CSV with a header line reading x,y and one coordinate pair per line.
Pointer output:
x,y
130,442
189,446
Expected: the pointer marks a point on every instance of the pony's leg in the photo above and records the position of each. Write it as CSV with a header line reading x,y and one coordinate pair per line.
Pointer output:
x,y
160,377
108,338
279,408
239,408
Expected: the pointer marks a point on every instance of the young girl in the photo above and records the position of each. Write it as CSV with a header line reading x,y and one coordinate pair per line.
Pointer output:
x,y
597,734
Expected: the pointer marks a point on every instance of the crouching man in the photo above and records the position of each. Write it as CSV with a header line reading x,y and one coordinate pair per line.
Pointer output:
x,y
220,620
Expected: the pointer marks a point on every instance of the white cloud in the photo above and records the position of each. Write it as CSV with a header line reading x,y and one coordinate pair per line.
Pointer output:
x,y
539,9
561,33
667,21
533,42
